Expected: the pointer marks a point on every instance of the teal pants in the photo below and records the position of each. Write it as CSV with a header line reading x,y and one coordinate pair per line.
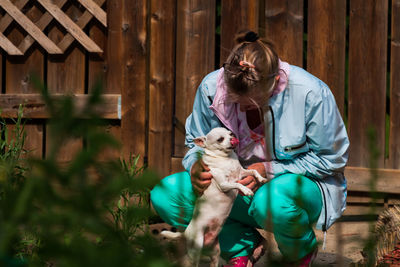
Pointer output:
x,y
288,206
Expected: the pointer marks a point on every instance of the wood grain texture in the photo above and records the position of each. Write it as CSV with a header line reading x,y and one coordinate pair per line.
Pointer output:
x,y
236,16
358,180
134,34
97,62
95,10
8,46
6,20
394,137
367,79
30,27
18,75
326,45
284,27
70,26
194,58
97,72
35,108
66,74
176,165
82,21
42,24
161,87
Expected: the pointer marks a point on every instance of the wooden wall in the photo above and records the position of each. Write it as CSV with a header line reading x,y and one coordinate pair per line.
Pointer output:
x,y
155,54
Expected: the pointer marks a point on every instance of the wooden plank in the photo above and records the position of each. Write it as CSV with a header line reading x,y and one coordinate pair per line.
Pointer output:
x,y
284,27
111,153
35,107
236,15
194,58
30,27
18,71
352,210
326,44
9,47
161,87
134,73
81,22
95,10
97,63
42,24
6,20
70,26
367,79
394,137
176,165
358,179
97,72
66,75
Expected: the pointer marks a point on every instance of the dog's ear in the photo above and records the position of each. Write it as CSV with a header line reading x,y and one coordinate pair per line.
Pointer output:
x,y
200,141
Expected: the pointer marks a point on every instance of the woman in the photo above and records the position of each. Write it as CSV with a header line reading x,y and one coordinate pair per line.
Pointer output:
x,y
289,129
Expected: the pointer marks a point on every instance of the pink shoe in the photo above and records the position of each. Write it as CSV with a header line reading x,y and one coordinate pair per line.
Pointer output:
x,y
308,259
238,262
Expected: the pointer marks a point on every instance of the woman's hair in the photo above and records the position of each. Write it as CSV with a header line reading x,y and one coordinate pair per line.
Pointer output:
x,y
252,65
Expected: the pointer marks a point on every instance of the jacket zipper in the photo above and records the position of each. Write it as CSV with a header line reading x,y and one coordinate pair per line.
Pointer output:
x,y
324,199
291,148
273,132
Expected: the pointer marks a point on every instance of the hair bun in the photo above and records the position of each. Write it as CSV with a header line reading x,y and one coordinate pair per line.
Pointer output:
x,y
251,37
246,36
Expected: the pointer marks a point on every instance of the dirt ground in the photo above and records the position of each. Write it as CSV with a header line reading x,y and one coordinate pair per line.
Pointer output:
x,y
345,241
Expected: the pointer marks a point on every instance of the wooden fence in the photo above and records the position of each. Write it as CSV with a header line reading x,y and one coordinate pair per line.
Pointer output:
x,y
152,55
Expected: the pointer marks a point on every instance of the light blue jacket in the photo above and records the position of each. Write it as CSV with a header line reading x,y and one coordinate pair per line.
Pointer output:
x,y
307,134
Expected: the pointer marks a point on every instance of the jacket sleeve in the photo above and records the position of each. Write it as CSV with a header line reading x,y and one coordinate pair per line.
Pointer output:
x,y
326,136
199,123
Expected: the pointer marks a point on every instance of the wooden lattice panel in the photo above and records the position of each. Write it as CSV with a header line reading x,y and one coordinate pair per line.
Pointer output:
x,y
53,11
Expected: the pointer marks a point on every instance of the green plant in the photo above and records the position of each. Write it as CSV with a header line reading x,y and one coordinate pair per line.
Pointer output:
x,y
60,214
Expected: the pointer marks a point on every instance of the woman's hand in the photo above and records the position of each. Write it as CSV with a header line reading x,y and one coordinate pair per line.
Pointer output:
x,y
250,181
200,177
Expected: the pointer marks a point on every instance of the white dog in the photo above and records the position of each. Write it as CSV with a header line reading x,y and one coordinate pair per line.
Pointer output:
x,y
214,206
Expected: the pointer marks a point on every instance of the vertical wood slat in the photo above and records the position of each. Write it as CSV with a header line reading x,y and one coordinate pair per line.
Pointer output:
x,y
394,141
326,44
133,30
367,78
284,27
97,71
18,71
194,58
65,74
161,87
236,16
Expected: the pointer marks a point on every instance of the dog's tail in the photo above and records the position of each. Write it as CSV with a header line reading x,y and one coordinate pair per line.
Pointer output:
x,y
171,235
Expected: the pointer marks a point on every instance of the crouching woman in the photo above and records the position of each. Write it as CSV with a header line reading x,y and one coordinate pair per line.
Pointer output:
x,y
290,130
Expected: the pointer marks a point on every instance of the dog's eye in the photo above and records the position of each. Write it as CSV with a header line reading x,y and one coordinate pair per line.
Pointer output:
x,y
220,140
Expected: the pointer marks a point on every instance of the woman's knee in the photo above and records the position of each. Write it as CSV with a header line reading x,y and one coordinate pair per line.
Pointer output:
x,y
275,210
173,198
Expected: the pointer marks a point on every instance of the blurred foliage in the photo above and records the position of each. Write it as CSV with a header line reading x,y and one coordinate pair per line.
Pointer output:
x,y
89,212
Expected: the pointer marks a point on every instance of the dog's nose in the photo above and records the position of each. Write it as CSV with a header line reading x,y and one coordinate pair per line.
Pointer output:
x,y
234,141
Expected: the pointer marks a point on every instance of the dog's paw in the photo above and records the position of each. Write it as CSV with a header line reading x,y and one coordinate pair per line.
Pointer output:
x,y
247,192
